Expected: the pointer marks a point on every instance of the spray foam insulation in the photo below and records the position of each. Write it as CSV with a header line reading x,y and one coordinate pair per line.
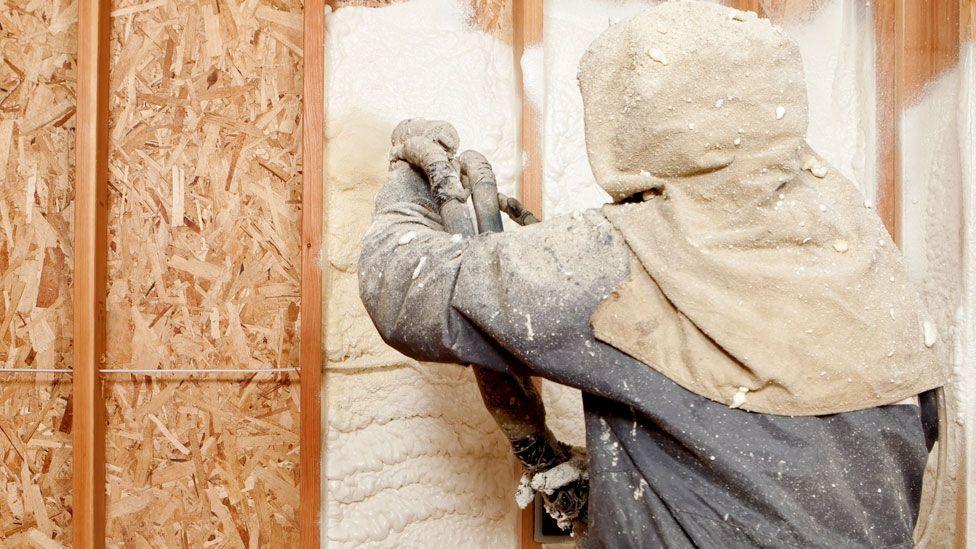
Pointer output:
x,y
936,182
203,271
37,126
491,16
412,458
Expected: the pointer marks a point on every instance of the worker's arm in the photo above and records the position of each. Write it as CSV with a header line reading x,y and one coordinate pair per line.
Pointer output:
x,y
485,299
497,301
407,271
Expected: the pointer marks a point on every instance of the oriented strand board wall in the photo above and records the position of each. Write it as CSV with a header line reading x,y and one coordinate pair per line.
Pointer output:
x,y
37,88
204,181
193,463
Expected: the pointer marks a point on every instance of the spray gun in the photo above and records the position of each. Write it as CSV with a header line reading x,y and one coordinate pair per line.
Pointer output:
x,y
551,468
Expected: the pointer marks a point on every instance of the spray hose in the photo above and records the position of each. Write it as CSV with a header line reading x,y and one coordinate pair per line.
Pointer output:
x,y
555,470
512,399
934,409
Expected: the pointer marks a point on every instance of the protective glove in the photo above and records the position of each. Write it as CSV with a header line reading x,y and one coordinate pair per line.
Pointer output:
x,y
430,146
564,488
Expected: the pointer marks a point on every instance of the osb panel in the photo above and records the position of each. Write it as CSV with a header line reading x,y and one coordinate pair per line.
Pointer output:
x,y
204,256
196,463
35,448
205,185
37,104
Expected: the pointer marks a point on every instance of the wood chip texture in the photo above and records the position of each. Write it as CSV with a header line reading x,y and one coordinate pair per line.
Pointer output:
x,y
37,127
204,183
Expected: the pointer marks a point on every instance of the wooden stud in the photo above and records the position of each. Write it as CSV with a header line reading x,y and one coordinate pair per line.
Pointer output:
x,y
526,33
930,43
91,205
915,42
967,21
527,16
310,358
888,58
965,519
525,523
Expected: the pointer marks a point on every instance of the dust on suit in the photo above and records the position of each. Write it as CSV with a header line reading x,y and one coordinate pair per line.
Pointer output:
x,y
738,323
667,467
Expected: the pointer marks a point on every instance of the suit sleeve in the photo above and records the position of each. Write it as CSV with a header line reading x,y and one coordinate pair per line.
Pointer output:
x,y
408,269
479,300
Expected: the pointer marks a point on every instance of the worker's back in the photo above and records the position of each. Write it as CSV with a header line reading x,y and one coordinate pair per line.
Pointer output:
x,y
666,466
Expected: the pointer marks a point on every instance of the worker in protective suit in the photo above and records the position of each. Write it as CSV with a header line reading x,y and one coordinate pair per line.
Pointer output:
x,y
748,346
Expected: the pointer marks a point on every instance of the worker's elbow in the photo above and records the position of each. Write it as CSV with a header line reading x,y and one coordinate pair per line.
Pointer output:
x,y
382,314
391,335
383,298
414,337
375,297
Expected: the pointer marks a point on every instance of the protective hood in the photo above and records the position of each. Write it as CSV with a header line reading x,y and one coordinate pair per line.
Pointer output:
x,y
668,99
762,279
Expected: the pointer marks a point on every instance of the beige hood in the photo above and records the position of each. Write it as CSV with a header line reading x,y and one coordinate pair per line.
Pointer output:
x,y
764,280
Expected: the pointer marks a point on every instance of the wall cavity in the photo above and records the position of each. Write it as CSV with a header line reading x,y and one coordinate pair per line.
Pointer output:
x,y
203,271
412,457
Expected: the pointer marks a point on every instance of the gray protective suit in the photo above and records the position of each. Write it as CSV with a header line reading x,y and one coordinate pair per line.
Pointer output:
x,y
667,466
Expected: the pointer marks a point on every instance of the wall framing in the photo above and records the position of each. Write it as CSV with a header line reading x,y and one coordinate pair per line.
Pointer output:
x,y
90,292
91,207
920,51
310,359
527,26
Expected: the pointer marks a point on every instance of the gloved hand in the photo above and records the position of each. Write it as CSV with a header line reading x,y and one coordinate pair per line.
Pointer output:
x,y
436,131
430,146
564,488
